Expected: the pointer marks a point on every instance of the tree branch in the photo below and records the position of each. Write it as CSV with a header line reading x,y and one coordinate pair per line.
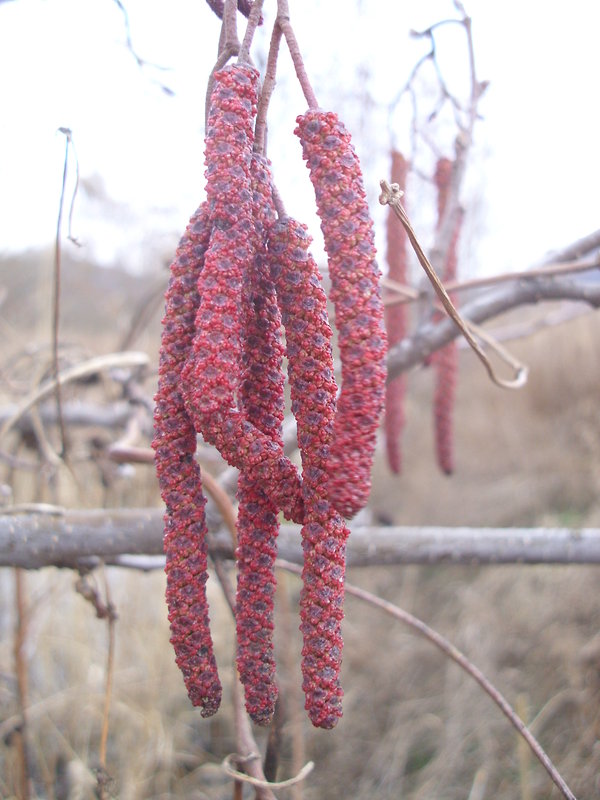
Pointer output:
x,y
525,291
84,538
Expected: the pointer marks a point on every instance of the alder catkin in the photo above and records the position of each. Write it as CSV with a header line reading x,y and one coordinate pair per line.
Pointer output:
x,y
445,360
262,400
310,368
212,373
355,291
179,478
396,319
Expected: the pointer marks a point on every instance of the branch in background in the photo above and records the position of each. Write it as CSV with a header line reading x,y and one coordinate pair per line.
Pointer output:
x,y
81,539
526,291
82,370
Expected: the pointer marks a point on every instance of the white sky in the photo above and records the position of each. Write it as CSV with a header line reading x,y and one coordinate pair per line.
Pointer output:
x,y
534,180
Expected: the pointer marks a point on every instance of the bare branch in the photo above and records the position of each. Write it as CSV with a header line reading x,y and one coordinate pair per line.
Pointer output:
x,y
83,538
526,291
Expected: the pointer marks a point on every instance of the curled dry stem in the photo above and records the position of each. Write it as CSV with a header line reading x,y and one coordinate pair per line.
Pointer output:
x,y
390,195
227,767
464,663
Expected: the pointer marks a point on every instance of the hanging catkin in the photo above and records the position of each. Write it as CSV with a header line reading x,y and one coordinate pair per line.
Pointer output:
x,y
324,533
396,320
212,374
356,294
179,477
262,397
446,359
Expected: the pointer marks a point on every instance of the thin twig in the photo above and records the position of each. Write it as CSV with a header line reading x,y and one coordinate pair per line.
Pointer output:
x,y
464,663
56,292
407,294
23,791
283,20
111,617
104,610
267,90
254,20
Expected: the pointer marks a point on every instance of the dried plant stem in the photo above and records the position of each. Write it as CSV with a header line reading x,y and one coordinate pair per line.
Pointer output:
x,y
283,21
248,750
56,295
110,667
391,195
463,662
23,791
104,609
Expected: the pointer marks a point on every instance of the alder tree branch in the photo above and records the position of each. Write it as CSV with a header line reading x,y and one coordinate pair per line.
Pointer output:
x,y
81,539
431,335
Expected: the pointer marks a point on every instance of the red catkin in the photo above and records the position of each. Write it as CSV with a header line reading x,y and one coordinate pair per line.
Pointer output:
x,y
310,368
446,359
349,242
396,320
262,398
212,373
180,480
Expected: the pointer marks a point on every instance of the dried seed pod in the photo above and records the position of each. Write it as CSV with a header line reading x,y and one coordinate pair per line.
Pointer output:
x,y
180,480
212,373
396,320
262,399
348,233
324,533
446,359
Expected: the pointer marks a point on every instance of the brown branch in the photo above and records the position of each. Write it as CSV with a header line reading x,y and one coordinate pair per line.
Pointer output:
x,y
84,538
459,658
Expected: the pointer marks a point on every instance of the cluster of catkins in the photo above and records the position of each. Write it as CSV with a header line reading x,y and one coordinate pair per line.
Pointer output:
x,y
245,297
445,361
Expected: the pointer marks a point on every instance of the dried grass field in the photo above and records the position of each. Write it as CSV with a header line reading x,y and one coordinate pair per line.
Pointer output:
x,y
414,725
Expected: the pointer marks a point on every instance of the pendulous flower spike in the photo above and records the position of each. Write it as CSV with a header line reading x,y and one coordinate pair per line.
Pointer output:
x,y
212,373
180,480
262,400
324,533
355,291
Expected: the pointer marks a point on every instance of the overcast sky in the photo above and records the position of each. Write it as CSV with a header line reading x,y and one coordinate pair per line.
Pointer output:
x,y
535,174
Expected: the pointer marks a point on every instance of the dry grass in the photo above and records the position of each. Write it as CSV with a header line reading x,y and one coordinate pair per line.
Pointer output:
x,y
414,726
